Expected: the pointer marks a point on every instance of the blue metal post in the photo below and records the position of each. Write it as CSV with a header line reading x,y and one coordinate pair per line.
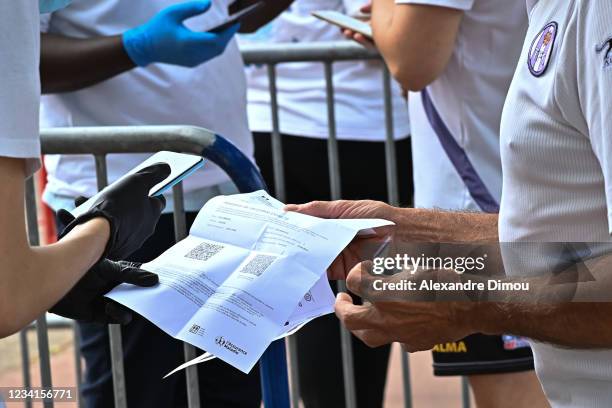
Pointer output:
x,y
273,364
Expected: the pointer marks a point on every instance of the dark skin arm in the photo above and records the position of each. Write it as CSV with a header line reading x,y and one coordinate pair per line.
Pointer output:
x,y
69,64
270,10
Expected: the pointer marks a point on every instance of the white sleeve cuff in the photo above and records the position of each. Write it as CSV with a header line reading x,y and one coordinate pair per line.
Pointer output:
x,y
22,149
455,4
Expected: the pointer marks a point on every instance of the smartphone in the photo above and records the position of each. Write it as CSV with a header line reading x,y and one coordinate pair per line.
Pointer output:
x,y
181,166
237,17
344,21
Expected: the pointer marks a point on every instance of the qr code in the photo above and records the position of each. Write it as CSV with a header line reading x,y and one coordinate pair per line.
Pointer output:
x,y
204,251
258,264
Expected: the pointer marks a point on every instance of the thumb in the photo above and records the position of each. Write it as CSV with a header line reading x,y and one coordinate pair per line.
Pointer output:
x,y
154,174
182,11
126,272
138,277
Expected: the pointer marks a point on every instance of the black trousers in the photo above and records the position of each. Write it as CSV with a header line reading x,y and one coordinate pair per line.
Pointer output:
x,y
149,354
362,168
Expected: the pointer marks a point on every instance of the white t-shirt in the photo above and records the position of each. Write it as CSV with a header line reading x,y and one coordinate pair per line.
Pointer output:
x,y
358,85
212,95
20,87
556,154
455,121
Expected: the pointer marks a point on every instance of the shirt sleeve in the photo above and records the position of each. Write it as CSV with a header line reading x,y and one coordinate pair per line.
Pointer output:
x,y
20,82
594,82
464,5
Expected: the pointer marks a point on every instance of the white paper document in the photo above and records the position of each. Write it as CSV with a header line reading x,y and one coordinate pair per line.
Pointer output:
x,y
247,274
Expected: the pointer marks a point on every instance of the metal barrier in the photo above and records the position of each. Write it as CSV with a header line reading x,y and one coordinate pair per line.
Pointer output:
x,y
105,140
327,53
100,141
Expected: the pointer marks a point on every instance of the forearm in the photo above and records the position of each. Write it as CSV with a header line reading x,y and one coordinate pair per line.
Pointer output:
x,y
270,10
34,279
416,41
69,64
395,45
590,323
578,297
37,278
435,226
384,32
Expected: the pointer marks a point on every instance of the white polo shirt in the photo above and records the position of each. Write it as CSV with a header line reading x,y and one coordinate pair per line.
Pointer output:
x,y
301,94
20,86
212,96
455,121
556,150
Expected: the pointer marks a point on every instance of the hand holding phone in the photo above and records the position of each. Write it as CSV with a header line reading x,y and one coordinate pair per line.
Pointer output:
x,y
237,17
181,166
345,22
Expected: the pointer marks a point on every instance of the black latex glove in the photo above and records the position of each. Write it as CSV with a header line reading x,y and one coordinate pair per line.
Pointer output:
x,y
126,205
86,301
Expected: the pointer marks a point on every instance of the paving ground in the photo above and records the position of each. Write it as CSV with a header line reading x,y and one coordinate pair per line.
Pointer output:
x,y
427,391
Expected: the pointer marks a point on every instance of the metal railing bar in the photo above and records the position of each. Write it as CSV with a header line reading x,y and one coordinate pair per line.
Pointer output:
x,y
294,379
302,52
346,345
393,197
116,355
25,364
125,139
277,144
78,367
114,330
42,336
101,170
406,379
180,232
280,192
465,393
390,156
332,140
180,222
41,323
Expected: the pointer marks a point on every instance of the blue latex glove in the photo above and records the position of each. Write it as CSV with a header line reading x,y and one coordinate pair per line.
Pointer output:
x,y
165,39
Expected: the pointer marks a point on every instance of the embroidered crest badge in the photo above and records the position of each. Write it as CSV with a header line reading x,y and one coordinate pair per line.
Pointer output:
x,y
541,49
607,47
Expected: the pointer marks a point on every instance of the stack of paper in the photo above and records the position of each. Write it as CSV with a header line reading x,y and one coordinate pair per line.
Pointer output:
x,y
247,274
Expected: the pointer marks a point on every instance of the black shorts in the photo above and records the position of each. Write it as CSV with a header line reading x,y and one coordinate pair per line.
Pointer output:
x,y
481,354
